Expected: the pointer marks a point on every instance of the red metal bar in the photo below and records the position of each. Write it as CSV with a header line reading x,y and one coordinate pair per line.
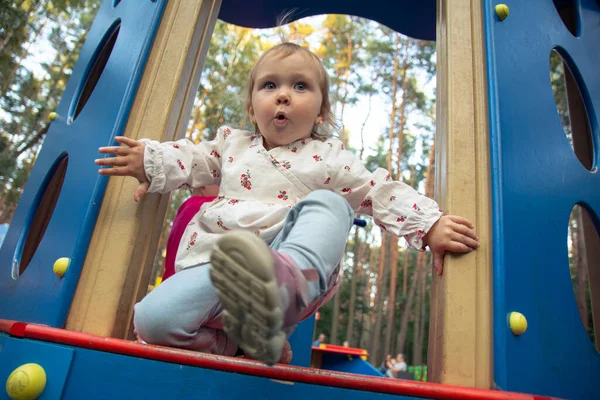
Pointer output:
x,y
250,367
5,325
351,351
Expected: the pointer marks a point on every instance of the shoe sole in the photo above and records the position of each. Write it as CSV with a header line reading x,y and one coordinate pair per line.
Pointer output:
x,y
242,270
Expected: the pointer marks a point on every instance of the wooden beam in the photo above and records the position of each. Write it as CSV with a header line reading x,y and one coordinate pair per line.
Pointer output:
x,y
460,333
119,261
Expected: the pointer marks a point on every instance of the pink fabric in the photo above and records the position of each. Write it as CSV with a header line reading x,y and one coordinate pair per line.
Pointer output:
x,y
184,215
296,283
332,287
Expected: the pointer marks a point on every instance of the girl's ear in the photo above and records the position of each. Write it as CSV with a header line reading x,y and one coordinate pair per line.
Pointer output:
x,y
251,115
319,121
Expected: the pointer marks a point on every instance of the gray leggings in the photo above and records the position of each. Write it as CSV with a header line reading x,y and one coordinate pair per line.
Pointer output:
x,y
314,235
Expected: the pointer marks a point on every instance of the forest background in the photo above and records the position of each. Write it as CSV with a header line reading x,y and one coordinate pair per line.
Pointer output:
x,y
383,97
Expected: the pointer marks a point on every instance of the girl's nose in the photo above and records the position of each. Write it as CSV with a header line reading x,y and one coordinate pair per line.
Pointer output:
x,y
283,98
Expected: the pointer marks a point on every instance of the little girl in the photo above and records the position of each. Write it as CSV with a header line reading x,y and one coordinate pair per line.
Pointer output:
x,y
265,253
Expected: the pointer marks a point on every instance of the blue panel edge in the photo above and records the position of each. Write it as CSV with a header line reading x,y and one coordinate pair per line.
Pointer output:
x,y
499,319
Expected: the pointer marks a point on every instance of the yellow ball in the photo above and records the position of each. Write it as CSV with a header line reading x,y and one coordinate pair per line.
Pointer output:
x,y
502,11
26,382
518,323
60,266
52,116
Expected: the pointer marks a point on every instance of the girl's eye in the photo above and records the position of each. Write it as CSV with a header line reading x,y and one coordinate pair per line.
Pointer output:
x,y
269,85
300,86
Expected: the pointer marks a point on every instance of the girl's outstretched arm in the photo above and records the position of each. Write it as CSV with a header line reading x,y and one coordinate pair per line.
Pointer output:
x,y
450,233
128,160
167,166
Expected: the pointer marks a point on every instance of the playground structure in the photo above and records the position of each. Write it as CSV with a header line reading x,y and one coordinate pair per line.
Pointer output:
x,y
502,161
343,359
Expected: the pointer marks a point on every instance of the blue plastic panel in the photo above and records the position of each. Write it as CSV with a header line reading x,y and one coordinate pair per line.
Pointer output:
x,y
412,18
38,295
54,359
537,180
301,342
349,364
98,375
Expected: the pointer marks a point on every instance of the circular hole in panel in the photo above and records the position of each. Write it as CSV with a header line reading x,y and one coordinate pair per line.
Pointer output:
x,y
581,240
94,71
571,109
39,215
569,14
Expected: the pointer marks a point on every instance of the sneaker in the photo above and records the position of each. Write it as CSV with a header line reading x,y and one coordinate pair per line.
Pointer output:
x,y
285,357
262,293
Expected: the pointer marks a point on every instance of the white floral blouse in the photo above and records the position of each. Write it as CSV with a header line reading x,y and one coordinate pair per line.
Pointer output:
x,y
258,187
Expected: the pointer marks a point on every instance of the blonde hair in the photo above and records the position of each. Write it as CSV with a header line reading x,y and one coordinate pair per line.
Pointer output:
x,y
283,50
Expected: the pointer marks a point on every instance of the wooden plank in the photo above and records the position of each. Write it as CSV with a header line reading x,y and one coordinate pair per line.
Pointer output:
x,y
118,265
460,333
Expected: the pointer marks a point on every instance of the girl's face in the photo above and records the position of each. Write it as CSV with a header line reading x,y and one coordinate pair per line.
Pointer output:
x,y
286,99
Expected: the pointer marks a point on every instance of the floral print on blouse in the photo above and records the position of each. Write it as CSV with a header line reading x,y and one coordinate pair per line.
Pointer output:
x,y
257,189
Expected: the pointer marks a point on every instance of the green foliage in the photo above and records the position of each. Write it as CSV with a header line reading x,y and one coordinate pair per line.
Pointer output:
x,y
221,94
28,95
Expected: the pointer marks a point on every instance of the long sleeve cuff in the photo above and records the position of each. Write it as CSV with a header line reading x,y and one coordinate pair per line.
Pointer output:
x,y
153,165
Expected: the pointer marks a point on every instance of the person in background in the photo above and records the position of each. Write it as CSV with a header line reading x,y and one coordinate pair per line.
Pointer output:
x,y
400,365
320,339
390,371
384,365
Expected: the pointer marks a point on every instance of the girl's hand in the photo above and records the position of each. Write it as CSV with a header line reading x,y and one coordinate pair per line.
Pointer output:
x,y
450,233
128,161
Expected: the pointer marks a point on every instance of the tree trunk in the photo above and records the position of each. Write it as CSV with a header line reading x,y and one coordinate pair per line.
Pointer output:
x,y
353,281
379,299
401,338
361,279
393,111
404,80
393,251
405,273
362,129
367,326
421,342
420,267
346,74
334,318
406,253
417,321
392,242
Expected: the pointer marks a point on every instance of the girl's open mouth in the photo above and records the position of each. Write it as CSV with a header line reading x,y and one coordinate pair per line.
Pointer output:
x,y
281,119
